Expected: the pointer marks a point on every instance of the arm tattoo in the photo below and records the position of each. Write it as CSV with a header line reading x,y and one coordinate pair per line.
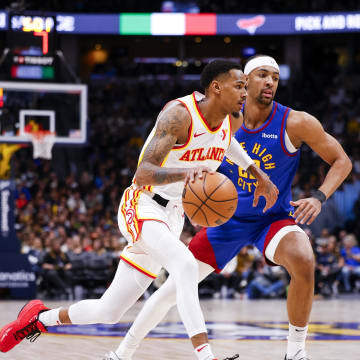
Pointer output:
x,y
170,126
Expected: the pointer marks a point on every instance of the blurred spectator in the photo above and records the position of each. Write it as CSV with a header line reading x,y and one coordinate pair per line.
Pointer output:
x,y
268,281
350,253
227,282
21,201
74,248
245,260
117,245
98,247
327,267
35,255
56,266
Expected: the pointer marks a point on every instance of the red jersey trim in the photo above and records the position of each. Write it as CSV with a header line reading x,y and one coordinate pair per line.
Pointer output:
x,y
274,228
208,128
138,268
230,129
271,116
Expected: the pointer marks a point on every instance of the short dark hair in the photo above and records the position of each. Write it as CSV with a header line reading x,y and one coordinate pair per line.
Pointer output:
x,y
215,68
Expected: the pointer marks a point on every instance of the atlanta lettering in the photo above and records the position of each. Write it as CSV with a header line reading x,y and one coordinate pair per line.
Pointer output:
x,y
213,153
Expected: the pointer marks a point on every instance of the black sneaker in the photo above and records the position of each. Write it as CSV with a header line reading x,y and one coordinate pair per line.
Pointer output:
x,y
300,355
233,357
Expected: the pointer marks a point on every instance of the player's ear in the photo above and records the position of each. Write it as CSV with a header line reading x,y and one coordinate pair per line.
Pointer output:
x,y
216,87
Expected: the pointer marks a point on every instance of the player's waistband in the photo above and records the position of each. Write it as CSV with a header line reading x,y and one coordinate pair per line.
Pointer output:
x,y
156,197
263,218
160,200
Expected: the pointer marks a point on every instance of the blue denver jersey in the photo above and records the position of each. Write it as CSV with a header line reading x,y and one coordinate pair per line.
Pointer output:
x,y
266,146
249,225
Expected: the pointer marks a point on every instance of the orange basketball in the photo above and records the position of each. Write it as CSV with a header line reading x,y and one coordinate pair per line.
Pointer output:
x,y
210,201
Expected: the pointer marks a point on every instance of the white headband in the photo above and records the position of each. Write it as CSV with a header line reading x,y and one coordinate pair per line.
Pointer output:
x,y
260,61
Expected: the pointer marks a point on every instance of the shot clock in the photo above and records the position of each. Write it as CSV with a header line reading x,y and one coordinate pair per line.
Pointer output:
x,y
31,40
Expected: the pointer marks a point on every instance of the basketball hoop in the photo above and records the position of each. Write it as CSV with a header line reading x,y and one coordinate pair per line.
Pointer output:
x,y
43,142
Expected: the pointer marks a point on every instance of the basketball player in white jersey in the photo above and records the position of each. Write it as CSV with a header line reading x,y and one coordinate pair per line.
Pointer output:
x,y
190,137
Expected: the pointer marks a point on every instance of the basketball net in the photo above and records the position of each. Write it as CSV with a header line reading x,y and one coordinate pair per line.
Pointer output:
x,y
43,142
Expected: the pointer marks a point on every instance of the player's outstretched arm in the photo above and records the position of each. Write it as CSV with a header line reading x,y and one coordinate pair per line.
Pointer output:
x,y
303,127
172,125
265,187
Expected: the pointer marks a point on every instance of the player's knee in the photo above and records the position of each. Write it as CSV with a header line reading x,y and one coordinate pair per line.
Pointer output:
x,y
302,265
169,300
189,267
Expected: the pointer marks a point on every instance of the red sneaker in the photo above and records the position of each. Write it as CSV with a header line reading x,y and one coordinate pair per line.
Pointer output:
x,y
27,325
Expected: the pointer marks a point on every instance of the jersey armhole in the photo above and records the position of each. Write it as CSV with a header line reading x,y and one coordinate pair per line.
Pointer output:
x,y
283,133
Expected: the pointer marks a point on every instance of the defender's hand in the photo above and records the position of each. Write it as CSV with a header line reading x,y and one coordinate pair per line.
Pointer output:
x,y
268,190
199,172
307,210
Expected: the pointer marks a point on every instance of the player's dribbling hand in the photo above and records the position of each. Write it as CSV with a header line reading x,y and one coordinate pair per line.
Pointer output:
x,y
199,172
268,190
307,210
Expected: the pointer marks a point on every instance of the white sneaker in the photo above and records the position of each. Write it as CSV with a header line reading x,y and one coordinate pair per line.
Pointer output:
x,y
300,355
111,356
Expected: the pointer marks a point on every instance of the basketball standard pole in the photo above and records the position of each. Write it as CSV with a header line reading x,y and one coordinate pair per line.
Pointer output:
x,y
17,280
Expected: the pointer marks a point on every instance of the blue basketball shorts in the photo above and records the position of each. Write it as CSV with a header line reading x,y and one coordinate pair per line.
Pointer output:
x,y
217,246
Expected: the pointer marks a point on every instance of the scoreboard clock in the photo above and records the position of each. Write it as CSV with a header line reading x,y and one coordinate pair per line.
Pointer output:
x,y
32,42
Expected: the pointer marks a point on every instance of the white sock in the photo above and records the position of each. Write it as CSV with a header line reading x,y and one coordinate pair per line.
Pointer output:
x,y
127,347
50,317
296,339
203,352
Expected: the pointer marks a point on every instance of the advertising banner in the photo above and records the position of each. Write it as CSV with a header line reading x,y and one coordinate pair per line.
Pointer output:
x,y
289,24
201,24
17,280
8,239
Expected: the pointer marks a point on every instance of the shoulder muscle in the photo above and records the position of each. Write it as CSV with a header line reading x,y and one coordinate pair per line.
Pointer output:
x,y
171,124
303,127
174,120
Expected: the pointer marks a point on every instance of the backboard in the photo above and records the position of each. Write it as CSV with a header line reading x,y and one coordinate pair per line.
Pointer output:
x,y
59,108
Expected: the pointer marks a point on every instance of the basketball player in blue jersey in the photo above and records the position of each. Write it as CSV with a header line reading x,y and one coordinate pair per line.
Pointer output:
x,y
272,134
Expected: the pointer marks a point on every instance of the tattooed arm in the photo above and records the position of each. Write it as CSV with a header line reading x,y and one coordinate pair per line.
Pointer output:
x,y
172,126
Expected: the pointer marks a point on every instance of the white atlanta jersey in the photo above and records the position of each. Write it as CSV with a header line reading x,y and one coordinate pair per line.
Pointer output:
x,y
204,146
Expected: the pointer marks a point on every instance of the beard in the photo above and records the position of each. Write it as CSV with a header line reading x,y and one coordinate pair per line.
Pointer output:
x,y
264,101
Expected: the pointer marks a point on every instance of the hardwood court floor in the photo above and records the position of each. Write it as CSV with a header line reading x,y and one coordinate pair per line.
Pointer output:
x,y
228,321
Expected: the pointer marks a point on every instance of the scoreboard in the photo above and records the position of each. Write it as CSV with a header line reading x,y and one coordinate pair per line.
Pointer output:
x,y
32,43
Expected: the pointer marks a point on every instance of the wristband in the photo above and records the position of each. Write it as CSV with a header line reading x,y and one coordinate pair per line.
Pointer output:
x,y
318,194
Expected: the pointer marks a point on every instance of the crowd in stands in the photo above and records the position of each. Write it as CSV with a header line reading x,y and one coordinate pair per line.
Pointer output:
x,y
67,216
